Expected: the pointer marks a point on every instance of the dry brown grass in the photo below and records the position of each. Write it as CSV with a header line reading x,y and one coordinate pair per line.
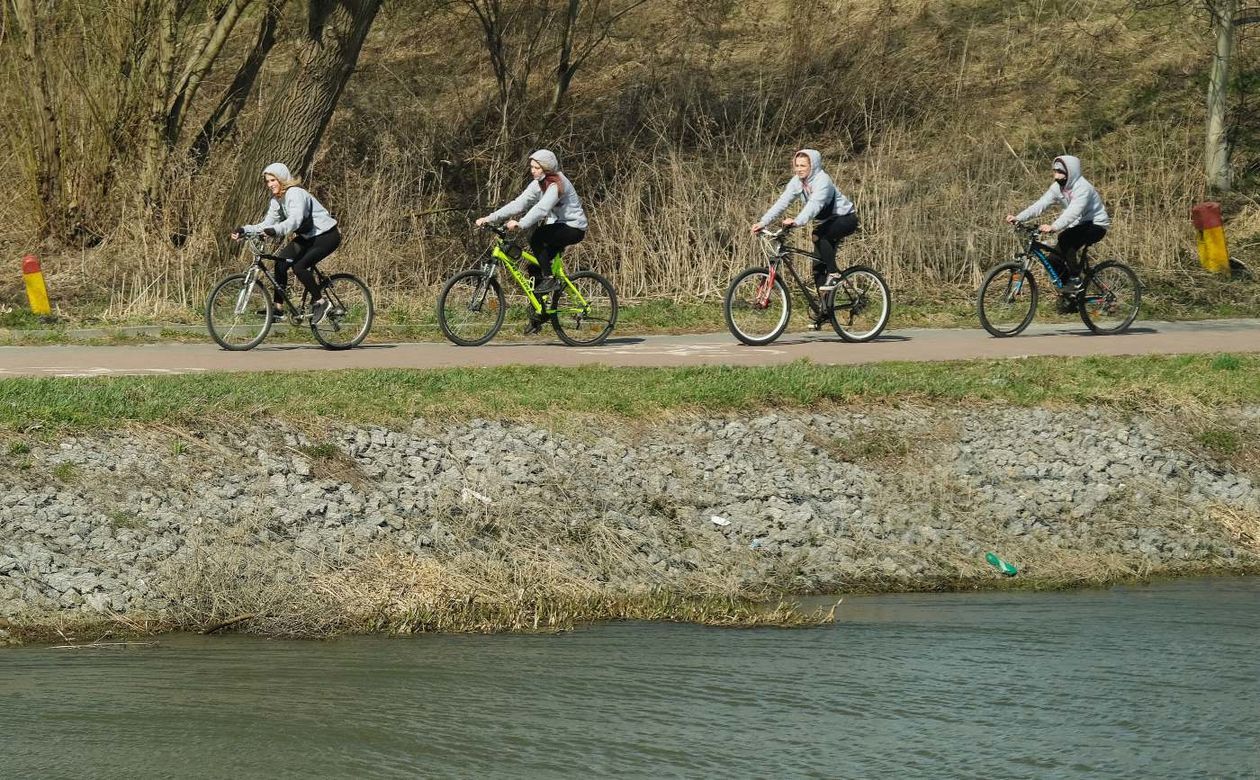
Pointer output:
x,y
935,118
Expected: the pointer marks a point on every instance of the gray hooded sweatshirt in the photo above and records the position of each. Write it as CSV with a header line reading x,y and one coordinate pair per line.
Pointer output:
x,y
300,212
555,205
814,192
1080,201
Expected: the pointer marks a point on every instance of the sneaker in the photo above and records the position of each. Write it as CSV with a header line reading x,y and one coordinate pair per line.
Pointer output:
x,y
545,285
277,315
829,283
1066,304
318,311
533,326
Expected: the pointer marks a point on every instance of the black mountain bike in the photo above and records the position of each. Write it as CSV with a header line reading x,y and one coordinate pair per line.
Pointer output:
x,y
239,312
758,304
1107,298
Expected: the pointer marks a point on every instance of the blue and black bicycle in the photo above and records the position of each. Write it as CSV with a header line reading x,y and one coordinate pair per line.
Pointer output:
x,y
1107,295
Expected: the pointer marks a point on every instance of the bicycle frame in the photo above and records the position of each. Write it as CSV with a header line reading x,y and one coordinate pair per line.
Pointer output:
x,y
500,254
257,272
1042,253
780,255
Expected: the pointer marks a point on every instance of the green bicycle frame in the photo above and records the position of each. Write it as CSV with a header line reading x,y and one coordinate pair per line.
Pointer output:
x,y
557,270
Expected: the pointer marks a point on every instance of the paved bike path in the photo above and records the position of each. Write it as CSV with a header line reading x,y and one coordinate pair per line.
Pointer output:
x,y
914,344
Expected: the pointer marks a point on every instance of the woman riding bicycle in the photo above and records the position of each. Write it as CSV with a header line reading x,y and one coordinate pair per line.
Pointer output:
x,y
1084,220
821,199
316,235
553,199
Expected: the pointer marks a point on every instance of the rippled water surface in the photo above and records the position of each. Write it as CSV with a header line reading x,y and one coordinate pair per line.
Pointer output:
x,y
1158,681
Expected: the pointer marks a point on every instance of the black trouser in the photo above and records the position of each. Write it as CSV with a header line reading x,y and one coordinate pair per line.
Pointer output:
x,y
827,237
302,254
1072,239
548,241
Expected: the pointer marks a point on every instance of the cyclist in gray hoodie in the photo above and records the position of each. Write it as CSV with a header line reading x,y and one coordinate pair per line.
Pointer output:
x,y
315,234
555,203
821,200
1084,220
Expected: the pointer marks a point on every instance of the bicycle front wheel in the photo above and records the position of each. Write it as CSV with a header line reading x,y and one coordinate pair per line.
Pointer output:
x,y
1007,300
1111,297
860,304
470,308
350,313
756,308
586,320
238,313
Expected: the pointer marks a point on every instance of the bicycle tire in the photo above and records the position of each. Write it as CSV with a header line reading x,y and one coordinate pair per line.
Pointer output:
x,y
477,311
1102,294
595,320
756,315
350,313
238,316
864,292
1015,288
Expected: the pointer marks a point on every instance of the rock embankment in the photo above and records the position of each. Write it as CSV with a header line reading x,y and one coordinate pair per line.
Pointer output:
x,y
191,526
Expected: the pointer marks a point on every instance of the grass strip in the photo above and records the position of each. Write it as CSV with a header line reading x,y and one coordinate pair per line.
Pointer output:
x,y
385,396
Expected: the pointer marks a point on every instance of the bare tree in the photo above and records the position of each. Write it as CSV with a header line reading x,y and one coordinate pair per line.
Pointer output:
x,y
601,18
307,96
1226,19
48,135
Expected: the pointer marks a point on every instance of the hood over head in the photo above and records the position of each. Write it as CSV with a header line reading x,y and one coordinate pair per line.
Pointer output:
x,y
815,160
1073,167
280,171
547,159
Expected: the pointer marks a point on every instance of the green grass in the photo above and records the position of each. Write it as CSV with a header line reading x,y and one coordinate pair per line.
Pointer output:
x,y
392,395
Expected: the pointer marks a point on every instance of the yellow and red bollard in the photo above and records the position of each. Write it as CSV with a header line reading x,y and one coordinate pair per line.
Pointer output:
x,y
1213,254
36,290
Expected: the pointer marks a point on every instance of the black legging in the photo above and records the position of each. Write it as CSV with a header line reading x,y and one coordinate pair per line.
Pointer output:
x,y
827,237
547,242
302,254
1074,238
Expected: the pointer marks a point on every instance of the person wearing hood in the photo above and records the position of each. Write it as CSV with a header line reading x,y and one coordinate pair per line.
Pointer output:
x,y
550,199
1084,220
315,234
820,200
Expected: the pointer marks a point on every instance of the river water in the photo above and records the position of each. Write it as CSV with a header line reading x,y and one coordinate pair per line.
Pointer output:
x,y
1133,681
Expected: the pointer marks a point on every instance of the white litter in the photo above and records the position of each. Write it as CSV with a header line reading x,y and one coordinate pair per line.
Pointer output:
x,y
720,520
466,494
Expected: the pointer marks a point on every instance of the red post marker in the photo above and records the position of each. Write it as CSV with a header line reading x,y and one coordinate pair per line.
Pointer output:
x,y
36,289
1213,254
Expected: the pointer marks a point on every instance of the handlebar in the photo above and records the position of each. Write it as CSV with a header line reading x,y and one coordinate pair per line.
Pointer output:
x,y
775,235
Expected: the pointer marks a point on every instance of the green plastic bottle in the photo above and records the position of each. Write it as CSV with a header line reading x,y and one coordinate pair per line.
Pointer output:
x,y
1007,569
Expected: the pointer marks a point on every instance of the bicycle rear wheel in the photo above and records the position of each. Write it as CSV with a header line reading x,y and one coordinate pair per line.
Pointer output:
x,y
757,309
1111,297
587,321
860,304
350,313
470,308
238,312
1007,300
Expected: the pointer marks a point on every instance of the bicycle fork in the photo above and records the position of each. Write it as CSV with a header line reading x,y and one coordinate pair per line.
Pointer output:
x,y
242,298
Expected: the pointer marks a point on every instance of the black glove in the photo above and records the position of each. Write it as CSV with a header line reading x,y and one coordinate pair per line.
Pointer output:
x,y
270,231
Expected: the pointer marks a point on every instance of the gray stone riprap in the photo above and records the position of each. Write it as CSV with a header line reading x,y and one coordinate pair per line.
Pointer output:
x,y
130,521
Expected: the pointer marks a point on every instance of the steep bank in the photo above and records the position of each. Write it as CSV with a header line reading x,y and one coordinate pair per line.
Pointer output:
x,y
499,525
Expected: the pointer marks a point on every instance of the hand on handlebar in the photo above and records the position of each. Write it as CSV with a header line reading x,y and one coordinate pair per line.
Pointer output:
x,y
1045,228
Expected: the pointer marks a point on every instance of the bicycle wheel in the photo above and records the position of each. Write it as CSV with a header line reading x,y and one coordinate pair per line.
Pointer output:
x,y
350,313
238,313
860,304
1007,299
756,309
1111,297
580,325
470,308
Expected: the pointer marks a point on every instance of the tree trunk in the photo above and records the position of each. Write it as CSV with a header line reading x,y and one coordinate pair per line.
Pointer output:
x,y
306,100
1216,160
222,120
48,135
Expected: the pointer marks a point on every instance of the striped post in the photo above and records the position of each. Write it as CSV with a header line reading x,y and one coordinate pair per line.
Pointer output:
x,y
36,289
1213,254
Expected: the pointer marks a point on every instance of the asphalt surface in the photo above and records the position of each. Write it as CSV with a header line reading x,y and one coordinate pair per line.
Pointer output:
x,y
824,347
